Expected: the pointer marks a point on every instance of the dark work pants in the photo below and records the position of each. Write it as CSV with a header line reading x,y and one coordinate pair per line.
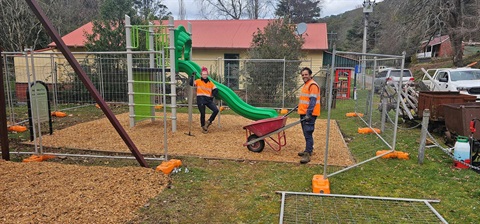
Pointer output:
x,y
203,102
308,127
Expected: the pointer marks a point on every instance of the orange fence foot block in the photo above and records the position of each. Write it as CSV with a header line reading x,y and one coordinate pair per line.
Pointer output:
x,y
320,185
37,158
58,114
393,155
17,128
387,156
368,130
353,114
167,166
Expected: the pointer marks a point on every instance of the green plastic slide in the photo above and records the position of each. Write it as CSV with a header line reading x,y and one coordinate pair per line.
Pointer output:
x,y
231,98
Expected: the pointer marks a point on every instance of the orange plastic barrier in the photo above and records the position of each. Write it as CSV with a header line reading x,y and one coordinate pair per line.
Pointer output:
x,y
222,108
37,158
158,107
320,185
393,155
167,166
353,114
17,128
58,114
368,130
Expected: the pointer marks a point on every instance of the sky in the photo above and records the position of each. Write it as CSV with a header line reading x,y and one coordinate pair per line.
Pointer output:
x,y
330,7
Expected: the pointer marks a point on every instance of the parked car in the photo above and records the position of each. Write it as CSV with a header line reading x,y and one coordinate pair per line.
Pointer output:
x,y
463,80
392,76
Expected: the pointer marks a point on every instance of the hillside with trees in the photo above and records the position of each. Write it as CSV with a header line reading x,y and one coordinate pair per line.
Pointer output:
x,y
400,25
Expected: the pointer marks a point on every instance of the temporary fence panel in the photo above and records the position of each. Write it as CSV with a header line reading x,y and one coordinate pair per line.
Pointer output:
x,y
373,115
297,207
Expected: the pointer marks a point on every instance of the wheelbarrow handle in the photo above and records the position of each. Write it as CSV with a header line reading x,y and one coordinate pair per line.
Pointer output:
x,y
289,112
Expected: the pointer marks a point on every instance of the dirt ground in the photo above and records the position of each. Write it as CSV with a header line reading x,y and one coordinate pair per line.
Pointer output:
x,y
224,139
57,193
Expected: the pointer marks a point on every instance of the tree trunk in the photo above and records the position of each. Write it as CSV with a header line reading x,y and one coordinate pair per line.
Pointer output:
x,y
456,40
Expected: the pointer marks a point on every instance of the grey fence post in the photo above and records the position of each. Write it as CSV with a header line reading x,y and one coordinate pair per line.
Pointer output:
x,y
423,136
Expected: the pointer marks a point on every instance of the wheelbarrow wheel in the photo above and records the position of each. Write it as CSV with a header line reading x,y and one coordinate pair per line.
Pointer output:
x,y
257,146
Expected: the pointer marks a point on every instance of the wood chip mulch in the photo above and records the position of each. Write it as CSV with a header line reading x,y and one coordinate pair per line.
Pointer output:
x,y
50,192
224,139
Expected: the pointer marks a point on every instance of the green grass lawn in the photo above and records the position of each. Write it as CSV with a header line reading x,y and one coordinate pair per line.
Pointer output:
x,y
224,191
244,192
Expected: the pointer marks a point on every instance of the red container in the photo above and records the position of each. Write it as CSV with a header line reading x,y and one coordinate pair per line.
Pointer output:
x,y
460,165
265,126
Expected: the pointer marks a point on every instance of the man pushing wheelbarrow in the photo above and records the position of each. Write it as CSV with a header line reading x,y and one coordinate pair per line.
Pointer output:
x,y
308,109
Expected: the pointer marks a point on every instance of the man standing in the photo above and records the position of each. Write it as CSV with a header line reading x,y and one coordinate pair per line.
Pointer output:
x,y
309,110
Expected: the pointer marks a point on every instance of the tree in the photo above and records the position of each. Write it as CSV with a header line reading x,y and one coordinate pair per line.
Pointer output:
x,y
354,38
234,9
108,32
457,18
20,27
276,41
151,9
307,11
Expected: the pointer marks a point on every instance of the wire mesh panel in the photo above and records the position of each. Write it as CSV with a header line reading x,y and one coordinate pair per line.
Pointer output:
x,y
329,208
106,70
370,110
273,83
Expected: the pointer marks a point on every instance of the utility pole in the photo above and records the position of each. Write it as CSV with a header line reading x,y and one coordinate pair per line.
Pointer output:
x,y
181,11
367,9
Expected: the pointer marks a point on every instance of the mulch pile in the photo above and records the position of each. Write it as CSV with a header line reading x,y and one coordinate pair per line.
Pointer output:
x,y
224,139
50,192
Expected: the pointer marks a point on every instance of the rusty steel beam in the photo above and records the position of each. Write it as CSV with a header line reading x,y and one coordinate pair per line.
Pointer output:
x,y
3,115
86,81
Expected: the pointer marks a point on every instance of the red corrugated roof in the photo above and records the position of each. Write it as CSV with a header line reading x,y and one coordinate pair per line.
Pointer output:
x,y
436,40
220,34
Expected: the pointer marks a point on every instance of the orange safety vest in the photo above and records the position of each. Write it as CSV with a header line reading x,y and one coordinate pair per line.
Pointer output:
x,y
305,95
204,89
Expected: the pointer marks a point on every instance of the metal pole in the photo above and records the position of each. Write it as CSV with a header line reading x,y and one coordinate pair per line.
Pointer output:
x,y
190,96
423,135
332,70
364,48
3,115
128,35
370,114
33,135
37,110
153,75
37,10
283,88
399,98
384,114
173,73
165,139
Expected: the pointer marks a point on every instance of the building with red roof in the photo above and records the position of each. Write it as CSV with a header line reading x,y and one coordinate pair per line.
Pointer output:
x,y
216,44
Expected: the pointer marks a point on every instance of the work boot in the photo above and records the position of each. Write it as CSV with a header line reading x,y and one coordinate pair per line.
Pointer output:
x,y
208,124
305,158
301,153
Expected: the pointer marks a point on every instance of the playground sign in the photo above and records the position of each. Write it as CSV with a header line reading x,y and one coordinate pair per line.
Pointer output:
x,y
38,105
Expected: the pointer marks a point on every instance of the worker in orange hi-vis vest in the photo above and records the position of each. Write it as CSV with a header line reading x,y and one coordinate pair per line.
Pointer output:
x,y
206,91
309,110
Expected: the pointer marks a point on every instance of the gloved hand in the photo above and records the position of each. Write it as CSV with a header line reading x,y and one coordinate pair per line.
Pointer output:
x,y
307,118
191,78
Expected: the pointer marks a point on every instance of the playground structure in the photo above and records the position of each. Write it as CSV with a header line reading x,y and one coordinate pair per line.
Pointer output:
x,y
177,45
